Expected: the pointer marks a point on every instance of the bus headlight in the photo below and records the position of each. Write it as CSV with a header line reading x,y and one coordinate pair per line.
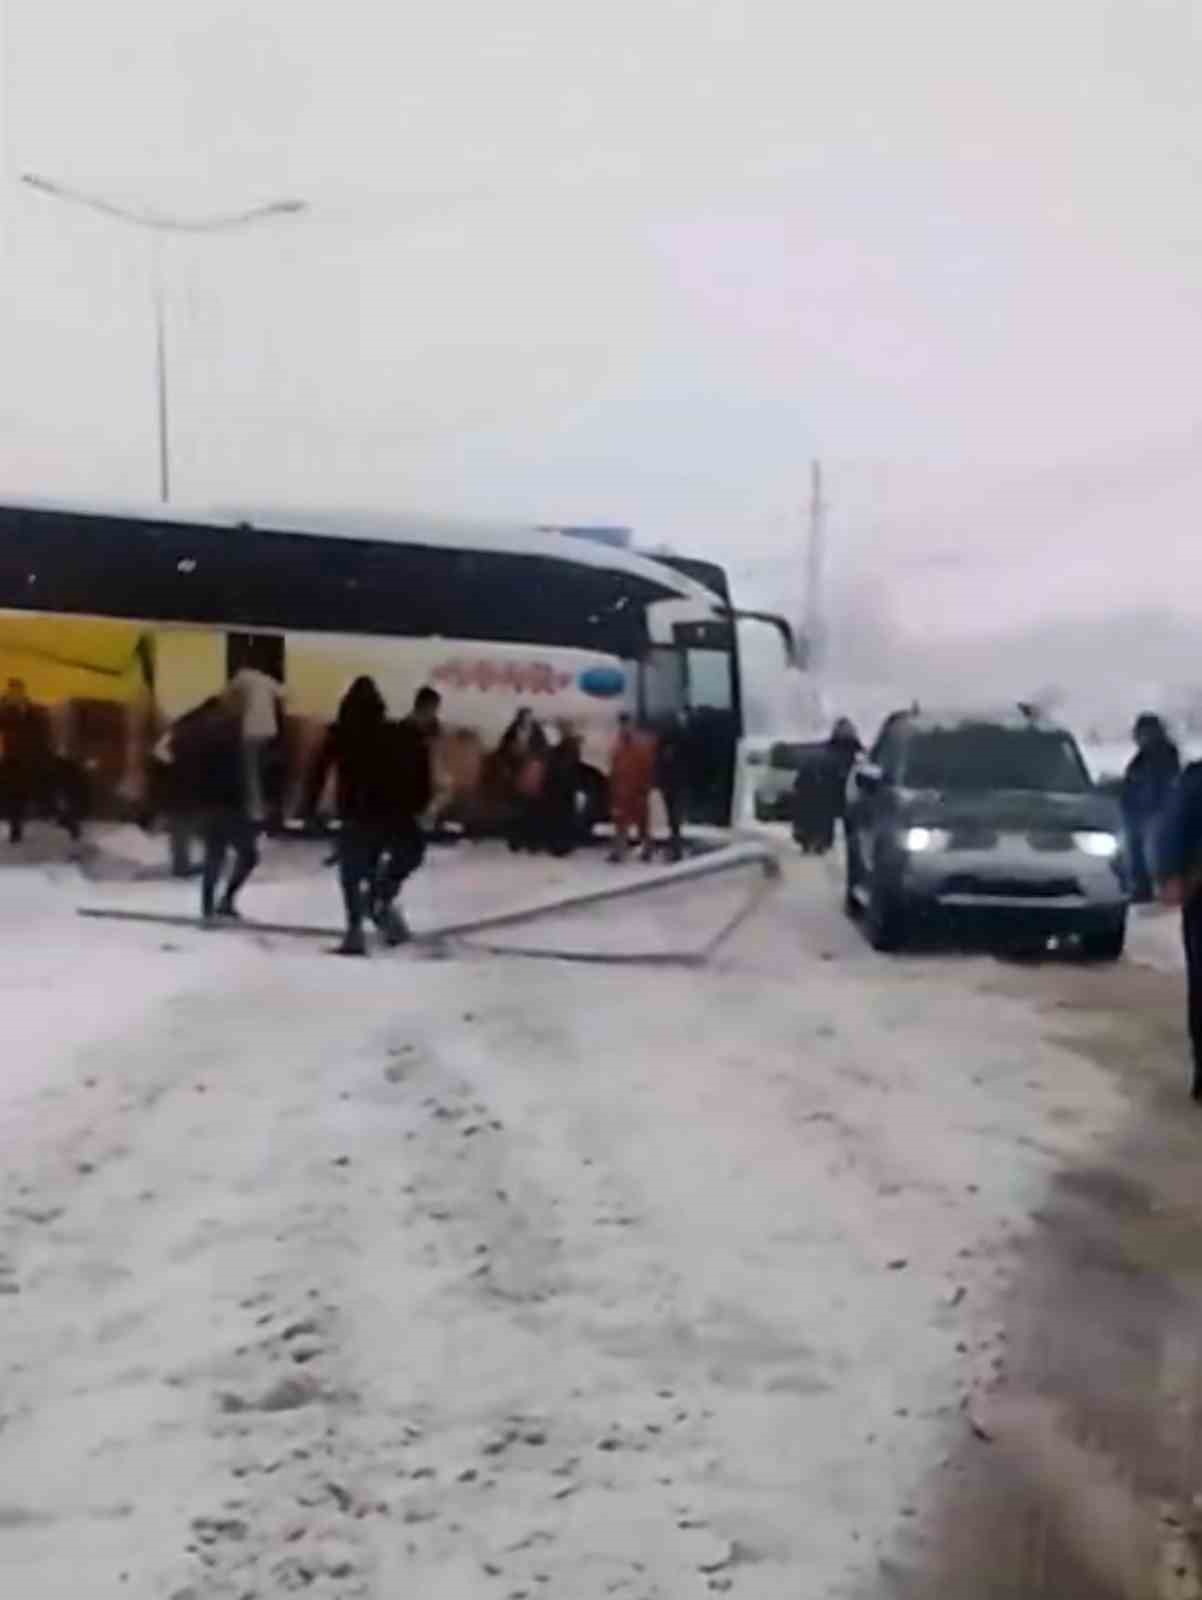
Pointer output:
x,y
1103,845
918,841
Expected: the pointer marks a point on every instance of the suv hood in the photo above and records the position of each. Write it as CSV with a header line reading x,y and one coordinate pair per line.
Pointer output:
x,y
1011,810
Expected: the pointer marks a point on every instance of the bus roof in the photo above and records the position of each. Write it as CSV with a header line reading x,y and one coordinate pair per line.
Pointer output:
x,y
413,528
402,575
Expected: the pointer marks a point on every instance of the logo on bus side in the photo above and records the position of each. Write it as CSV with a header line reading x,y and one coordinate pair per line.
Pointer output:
x,y
516,677
603,683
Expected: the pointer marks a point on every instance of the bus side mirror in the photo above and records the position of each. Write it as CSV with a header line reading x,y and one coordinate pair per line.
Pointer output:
x,y
869,778
772,619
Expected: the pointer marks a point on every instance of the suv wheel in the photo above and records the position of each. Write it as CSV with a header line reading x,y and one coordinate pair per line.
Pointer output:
x,y
1105,944
885,918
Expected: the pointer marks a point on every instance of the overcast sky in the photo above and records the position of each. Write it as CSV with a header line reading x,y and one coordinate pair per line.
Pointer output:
x,y
638,261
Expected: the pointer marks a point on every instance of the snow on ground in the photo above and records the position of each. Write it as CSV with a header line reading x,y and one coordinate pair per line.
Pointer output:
x,y
677,923
295,885
1154,938
483,1277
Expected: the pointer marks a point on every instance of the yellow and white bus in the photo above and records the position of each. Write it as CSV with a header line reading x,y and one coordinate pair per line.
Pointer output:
x,y
119,620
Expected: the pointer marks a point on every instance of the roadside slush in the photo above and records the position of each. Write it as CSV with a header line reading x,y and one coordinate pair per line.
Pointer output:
x,y
1080,1465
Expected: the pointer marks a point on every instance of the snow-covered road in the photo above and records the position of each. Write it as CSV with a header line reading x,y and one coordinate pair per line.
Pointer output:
x,y
500,1278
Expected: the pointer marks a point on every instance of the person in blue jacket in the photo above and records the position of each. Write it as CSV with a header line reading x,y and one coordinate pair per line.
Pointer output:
x,y
1179,862
1147,785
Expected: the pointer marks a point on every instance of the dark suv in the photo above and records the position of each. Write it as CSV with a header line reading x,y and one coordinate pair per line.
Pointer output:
x,y
985,819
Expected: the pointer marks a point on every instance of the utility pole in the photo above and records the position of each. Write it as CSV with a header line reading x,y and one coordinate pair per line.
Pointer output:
x,y
158,226
815,621
160,368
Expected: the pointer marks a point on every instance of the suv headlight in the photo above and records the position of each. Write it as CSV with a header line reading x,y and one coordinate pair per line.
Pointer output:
x,y
1103,845
918,841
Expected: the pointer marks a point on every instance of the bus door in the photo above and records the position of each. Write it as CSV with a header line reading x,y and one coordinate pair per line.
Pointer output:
x,y
265,652
662,684
690,670
714,722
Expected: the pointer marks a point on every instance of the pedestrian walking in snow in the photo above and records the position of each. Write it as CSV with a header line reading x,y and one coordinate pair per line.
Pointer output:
x,y
207,755
1147,785
171,790
384,785
631,779
262,699
1179,867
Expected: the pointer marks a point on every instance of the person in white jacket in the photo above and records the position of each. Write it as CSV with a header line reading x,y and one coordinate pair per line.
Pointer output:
x,y
263,699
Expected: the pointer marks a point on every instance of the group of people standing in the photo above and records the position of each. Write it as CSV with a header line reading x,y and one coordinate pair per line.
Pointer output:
x,y
541,778
547,791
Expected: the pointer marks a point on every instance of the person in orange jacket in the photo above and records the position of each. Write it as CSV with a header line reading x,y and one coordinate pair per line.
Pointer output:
x,y
631,780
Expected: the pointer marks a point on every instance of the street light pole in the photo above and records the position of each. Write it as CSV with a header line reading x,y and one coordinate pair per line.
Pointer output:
x,y
815,617
160,369
159,225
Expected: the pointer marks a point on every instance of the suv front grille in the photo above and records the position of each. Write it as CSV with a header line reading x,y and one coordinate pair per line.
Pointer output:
x,y
1011,888
1050,839
972,836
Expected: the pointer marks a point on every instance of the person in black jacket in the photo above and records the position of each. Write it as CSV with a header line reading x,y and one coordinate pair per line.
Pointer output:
x,y
522,757
384,785
169,794
1179,869
559,828
672,780
843,750
208,766
24,756
820,788
1147,784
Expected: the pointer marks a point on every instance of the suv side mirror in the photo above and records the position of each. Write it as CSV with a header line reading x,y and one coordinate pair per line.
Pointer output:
x,y
869,777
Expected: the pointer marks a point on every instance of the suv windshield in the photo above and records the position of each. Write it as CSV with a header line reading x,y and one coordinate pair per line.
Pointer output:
x,y
985,757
